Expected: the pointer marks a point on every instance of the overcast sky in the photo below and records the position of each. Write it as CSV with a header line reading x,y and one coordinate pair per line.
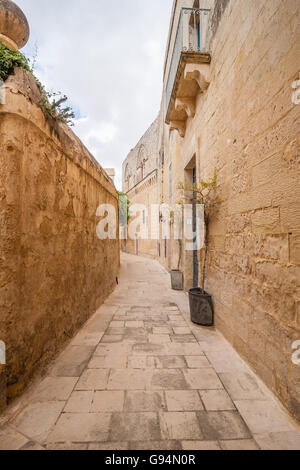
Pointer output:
x,y
107,57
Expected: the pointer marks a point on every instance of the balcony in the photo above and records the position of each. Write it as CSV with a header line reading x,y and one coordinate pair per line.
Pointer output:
x,y
189,68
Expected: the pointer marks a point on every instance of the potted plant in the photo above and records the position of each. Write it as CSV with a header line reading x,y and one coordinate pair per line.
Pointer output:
x,y
177,279
201,303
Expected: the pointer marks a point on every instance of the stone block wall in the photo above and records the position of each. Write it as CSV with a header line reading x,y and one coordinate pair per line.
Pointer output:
x,y
247,127
55,272
253,140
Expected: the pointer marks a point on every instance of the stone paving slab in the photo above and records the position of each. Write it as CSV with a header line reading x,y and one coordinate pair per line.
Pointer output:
x,y
37,420
261,416
201,445
239,444
216,400
223,425
140,375
10,439
80,402
93,379
73,361
140,401
176,425
183,400
54,389
242,386
156,445
135,426
81,427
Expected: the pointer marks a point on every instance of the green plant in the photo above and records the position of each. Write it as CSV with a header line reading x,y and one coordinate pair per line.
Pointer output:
x,y
204,193
54,106
50,101
176,220
124,209
10,59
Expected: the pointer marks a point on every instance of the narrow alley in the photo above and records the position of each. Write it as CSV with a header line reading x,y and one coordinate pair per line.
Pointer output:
x,y
140,375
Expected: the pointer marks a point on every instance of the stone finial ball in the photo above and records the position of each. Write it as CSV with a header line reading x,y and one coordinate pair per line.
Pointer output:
x,y
13,23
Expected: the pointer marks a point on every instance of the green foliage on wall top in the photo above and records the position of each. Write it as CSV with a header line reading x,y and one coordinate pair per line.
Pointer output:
x,y
10,59
53,103
124,209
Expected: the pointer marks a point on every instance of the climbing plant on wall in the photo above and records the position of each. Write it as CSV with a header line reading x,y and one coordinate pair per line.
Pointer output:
x,y
124,212
10,59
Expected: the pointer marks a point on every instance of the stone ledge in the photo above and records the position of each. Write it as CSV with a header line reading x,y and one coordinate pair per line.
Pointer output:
x,y
13,23
192,78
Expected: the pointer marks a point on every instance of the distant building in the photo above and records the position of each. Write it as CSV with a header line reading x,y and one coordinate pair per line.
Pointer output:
x,y
141,183
111,173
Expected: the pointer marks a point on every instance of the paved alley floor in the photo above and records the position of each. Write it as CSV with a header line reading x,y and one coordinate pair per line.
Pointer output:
x,y
140,375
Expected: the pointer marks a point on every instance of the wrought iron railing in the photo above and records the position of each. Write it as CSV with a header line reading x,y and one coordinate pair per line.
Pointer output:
x,y
192,36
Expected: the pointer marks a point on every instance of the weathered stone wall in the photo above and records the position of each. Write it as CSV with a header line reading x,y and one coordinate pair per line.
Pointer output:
x,y
247,127
145,153
218,11
55,272
254,262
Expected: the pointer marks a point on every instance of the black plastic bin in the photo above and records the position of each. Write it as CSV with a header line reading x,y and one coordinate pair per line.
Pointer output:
x,y
201,307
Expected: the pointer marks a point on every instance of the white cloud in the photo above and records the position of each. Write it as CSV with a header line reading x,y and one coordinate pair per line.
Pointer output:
x,y
108,58
101,132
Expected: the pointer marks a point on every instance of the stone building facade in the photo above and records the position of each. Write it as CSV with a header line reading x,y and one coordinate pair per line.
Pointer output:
x,y
141,183
230,104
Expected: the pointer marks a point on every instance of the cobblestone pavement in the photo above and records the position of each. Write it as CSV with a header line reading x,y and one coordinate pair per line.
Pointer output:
x,y
140,375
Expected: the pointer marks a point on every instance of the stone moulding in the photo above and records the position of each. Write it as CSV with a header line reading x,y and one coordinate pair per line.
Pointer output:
x,y
14,26
200,73
193,77
148,181
187,104
179,126
193,59
8,42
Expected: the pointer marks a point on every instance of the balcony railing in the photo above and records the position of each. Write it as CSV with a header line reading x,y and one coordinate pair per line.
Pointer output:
x,y
192,40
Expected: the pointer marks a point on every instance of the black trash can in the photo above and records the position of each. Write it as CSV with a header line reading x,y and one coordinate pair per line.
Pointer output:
x,y
201,307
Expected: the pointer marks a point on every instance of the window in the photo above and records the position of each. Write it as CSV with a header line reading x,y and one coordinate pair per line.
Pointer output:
x,y
170,181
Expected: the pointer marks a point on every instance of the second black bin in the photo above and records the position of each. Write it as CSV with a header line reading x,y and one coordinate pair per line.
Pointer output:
x,y
201,307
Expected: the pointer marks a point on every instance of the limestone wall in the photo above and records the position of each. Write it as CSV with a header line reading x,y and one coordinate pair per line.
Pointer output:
x,y
247,127
146,154
55,272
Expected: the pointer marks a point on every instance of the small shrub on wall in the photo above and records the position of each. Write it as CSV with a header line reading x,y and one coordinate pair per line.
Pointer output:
x,y
51,102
